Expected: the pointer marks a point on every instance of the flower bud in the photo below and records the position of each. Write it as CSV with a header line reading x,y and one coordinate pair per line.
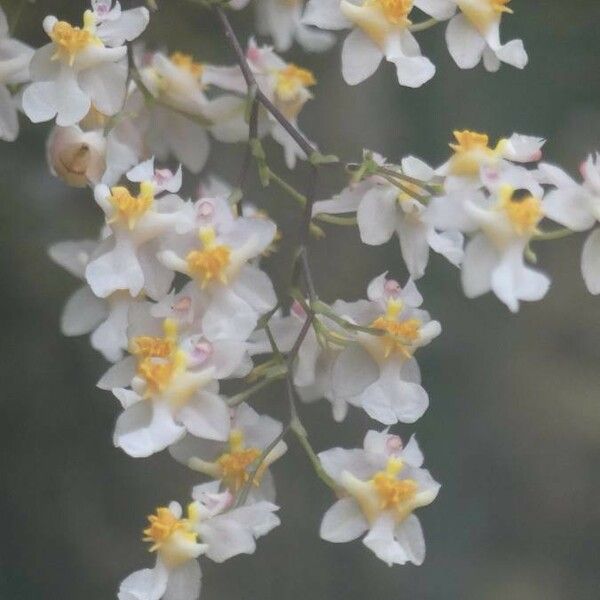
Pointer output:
x,y
75,156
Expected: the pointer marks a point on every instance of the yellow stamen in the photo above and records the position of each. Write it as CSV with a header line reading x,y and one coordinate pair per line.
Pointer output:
x,y
395,11
524,214
482,13
70,40
290,80
129,208
472,151
211,262
399,335
146,346
385,492
186,63
234,464
393,493
158,373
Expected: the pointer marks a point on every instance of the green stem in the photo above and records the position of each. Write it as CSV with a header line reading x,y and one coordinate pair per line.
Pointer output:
x,y
558,234
302,437
286,187
257,387
336,220
428,24
323,309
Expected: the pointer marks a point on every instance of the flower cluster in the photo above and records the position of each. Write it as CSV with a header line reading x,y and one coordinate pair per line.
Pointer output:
x,y
174,291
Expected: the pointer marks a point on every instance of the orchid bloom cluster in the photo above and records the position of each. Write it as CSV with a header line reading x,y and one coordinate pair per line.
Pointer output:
x,y
173,289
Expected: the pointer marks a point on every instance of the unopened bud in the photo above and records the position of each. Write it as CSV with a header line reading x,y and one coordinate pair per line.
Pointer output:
x,y
75,156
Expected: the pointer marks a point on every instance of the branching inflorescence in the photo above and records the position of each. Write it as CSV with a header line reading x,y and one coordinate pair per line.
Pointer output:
x,y
118,108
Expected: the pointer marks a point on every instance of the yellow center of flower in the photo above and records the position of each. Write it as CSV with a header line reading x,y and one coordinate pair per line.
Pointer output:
x,y
393,493
146,346
483,13
234,464
395,11
130,208
524,214
384,492
187,63
159,359
399,336
290,80
70,40
472,151
210,263
163,524
172,537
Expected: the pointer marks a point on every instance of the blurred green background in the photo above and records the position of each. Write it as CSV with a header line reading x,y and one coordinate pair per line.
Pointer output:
x,y
513,431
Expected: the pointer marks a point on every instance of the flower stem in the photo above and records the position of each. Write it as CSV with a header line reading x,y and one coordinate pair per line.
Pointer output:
x,y
428,24
558,234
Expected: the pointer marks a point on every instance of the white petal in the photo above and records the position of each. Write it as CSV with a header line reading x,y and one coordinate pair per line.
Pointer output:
x,y
72,255
390,399
119,374
228,317
412,453
146,428
110,337
343,522
325,14
147,584
568,206
39,101
480,260
490,61
409,535
514,54
3,24
376,216
9,123
206,416
380,540
117,269
72,103
360,57
412,71
353,371
524,148
414,244
184,582
448,244
105,85
590,262
438,9
464,42
125,29
82,312
337,460
512,281
255,288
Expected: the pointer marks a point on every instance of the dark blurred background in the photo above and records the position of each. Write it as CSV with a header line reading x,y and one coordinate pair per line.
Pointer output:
x,y
513,431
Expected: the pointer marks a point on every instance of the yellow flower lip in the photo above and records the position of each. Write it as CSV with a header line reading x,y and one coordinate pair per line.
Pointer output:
x,y
211,262
484,13
70,40
187,63
524,213
172,537
472,151
399,335
384,492
378,18
130,209
291,80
